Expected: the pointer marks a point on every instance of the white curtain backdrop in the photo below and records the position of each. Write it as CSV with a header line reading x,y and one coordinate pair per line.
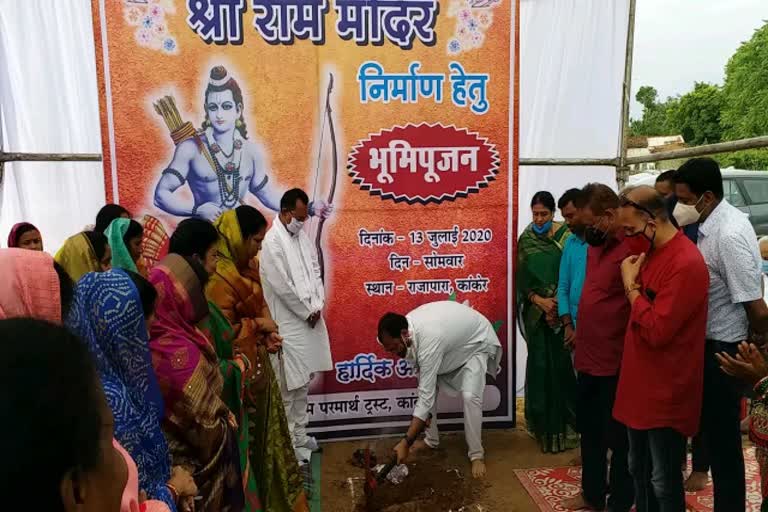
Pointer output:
x,y
49,104
571,74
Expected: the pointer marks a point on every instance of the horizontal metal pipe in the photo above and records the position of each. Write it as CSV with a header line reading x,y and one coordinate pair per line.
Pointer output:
x,y
611,162
708,149
50,157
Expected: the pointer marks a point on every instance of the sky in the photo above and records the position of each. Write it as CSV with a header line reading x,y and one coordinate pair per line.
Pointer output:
x,y
679,42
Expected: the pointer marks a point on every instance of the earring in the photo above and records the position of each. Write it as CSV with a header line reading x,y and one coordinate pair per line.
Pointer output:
x,y
239,123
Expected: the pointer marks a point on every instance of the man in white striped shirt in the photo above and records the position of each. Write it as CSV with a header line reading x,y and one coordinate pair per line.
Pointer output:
x,y
729,246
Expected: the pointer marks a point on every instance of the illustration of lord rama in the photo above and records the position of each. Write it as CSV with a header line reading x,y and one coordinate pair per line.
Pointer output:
x,y
218,162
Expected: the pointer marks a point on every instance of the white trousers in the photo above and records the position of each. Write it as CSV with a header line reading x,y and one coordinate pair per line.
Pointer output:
x,y
295,402
473,426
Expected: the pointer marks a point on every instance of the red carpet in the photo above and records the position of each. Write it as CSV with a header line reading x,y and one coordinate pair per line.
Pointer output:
x,y
548,487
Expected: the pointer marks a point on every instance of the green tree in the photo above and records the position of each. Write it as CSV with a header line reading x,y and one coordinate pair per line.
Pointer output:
x,y
749,159
745,101
745,110
654,120
647,96
696,114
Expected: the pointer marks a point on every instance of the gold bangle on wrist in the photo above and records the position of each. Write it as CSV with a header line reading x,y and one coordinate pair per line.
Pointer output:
x,y
634,287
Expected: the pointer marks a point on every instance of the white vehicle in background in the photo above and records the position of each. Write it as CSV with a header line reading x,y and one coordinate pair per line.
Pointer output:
x,y
746,190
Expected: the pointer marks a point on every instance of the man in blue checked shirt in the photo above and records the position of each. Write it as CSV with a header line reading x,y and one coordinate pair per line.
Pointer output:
x,y
573,264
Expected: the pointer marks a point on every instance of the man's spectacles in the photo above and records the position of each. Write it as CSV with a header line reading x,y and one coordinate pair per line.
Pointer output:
x,y
625,201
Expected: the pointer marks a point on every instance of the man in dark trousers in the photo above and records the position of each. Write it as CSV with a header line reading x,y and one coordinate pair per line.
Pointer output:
x,y
602,321
728,243
697,480
658,398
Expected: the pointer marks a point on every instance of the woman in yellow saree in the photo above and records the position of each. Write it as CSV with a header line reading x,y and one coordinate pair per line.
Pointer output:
x,y
236,289
85,252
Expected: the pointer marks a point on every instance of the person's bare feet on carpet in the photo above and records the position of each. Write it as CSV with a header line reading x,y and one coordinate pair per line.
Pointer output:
x,y
696,481
576,503
478,468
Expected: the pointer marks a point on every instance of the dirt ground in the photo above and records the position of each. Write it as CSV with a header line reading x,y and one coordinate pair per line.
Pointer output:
x,y
433,484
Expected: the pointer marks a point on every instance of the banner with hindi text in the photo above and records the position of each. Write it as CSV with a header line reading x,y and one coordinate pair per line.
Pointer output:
x,y
401,114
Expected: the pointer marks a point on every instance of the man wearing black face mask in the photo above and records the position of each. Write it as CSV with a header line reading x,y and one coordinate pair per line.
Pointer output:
x,y
660,388
602,321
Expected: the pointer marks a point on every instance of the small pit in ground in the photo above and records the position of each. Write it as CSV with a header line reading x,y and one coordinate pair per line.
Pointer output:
x,y
432,485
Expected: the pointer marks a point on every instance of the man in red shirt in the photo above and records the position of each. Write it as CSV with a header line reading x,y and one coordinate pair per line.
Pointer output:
x,y
662,371
602,321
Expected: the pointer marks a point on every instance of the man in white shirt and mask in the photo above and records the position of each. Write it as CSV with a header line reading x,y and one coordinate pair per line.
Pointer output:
x,y
452,346
293,290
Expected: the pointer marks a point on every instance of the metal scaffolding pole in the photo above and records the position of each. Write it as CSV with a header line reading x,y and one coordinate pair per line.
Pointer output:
x,y
44,157
709,149
622,170
50,157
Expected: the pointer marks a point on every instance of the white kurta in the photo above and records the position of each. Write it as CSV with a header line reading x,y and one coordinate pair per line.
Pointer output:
x,y
293,290
446,337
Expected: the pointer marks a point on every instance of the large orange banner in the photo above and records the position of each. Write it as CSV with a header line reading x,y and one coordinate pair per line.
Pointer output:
x,y
401,114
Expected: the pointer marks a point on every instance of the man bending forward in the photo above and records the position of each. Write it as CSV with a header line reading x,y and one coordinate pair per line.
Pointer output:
x,y
453,347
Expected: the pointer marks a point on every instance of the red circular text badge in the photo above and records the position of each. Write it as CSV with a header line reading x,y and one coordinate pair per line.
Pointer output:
x,y
425,163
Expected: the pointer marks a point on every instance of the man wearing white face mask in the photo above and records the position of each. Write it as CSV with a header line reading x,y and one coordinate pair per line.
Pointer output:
x,y
728,244
293,290
453,347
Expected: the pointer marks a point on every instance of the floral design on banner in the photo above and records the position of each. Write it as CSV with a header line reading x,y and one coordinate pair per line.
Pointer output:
x,y
148,16
473,18
423,164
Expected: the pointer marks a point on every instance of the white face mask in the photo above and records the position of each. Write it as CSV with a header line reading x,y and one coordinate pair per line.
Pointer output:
x,y
294,226
686,214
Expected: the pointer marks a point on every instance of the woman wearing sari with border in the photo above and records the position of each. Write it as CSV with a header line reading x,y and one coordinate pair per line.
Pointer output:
x,y
25,236
37,287
197,239
85,252
125,237
550,383
236,289
200,429
110,315
33,286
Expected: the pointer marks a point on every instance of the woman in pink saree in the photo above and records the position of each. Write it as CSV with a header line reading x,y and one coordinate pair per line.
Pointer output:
x,y
200,429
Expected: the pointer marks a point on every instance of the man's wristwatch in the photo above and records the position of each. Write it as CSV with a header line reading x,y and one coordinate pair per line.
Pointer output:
x,y
409,441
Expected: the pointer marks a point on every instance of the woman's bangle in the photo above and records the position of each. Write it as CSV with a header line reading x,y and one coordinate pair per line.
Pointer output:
x,y
246,362
760,384
174,492
567,324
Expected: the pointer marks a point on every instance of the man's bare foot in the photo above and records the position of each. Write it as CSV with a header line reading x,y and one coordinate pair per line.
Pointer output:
x,y
696,481
576,503
478,468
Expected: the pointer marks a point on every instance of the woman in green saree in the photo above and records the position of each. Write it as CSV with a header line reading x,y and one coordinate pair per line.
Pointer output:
x,y
238,326
550,382
198,240
236,289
